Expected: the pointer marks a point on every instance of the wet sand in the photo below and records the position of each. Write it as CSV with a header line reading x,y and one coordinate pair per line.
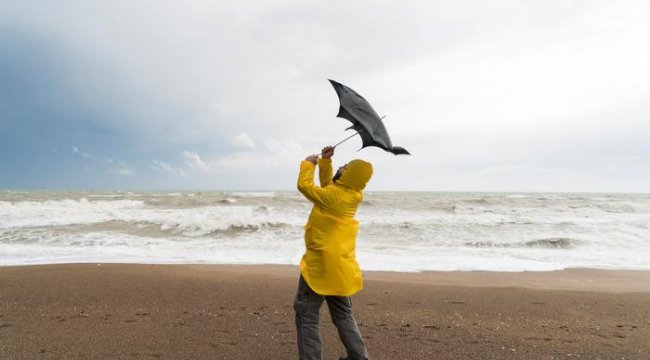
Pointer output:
x,y
126,311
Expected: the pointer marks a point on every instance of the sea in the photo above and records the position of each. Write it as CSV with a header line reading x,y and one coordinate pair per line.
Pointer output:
x,y
399,231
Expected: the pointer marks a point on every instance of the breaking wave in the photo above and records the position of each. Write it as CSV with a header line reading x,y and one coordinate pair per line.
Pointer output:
x,y
549,243
398,231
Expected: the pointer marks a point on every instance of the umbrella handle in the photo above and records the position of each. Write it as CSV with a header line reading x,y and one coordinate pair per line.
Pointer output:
x,y
344,140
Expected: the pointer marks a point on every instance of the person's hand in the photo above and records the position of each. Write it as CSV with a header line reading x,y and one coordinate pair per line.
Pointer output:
x,y
312,159
327,152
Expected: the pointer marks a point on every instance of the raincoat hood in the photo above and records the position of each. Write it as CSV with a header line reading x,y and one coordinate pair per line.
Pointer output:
x,y
356,175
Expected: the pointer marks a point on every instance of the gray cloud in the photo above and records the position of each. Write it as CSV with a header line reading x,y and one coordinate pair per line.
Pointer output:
x,y
505,90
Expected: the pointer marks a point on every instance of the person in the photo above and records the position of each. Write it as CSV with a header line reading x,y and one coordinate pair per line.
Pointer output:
x,y
328,270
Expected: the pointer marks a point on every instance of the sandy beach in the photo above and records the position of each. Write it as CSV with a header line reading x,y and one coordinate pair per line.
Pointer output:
x,y
129,311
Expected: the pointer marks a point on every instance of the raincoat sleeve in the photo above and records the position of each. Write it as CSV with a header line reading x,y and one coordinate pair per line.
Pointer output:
x,y
325,172
316,194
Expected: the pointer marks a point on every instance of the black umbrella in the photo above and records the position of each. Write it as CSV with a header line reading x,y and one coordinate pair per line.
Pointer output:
x,y
364,120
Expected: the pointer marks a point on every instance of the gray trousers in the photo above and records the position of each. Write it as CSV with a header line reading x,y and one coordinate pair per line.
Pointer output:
x,y
307,306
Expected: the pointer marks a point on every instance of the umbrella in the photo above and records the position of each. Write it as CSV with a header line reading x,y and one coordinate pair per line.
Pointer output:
x,y
364,120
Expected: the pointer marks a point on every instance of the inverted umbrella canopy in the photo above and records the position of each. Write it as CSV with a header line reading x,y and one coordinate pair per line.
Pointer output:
x,y
364,120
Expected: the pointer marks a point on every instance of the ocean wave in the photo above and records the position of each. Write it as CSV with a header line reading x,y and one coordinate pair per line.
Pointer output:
x,y
547,243
65,211
190,221
227,201
244,194
235,230
63,234
517,196
413,231
616,208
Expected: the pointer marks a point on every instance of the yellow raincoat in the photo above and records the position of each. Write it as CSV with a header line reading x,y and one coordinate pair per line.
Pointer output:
x,y
329,266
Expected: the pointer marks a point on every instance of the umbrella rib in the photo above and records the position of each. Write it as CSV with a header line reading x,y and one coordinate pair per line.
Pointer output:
x,y
342,141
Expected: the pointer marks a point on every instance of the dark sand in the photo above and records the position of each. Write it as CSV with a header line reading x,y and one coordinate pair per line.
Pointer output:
x,y
113,311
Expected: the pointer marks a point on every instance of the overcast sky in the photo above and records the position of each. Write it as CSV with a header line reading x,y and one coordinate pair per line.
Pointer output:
x,y
487,95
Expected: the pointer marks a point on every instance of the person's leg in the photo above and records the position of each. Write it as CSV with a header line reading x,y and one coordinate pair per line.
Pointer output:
x,y
307,306
341,312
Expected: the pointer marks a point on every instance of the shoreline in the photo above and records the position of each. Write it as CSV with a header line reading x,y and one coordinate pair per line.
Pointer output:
x,y
141,311
574,279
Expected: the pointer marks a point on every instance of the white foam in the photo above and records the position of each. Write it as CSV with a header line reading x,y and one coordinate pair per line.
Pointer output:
x,y
187,221
117,247
253,193
399,231
60,212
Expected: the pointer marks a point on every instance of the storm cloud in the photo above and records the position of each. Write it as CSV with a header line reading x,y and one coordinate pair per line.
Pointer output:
x,y
488,96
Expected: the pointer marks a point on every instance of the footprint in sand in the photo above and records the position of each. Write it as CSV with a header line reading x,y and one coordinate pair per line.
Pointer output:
x,y
434,327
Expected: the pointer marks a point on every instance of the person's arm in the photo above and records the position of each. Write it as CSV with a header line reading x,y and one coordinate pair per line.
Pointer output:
x,y
316,194
325,171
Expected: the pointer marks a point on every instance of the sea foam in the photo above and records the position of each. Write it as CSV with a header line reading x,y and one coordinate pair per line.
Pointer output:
x,y
398,232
